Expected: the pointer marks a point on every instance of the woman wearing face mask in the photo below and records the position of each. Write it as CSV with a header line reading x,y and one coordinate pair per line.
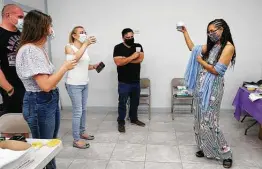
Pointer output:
x,y
40,105
77,83
208,86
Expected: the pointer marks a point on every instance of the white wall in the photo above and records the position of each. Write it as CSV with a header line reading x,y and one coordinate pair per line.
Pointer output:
x,y
38,4
166,54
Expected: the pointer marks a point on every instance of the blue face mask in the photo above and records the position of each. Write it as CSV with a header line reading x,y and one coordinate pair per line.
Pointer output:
x,y
19,25
82,38
214,37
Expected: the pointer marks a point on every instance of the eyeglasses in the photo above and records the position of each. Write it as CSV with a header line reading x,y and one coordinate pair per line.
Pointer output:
x,y
212,31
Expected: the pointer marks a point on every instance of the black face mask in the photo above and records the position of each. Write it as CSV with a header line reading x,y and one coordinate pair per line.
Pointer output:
x,y
130,42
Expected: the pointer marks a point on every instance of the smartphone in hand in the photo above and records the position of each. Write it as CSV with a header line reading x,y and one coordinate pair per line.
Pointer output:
x,y
100,67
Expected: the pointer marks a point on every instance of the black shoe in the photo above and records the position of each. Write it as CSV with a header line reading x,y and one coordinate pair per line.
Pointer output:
x,y
227,163
139,123
121,128
200,154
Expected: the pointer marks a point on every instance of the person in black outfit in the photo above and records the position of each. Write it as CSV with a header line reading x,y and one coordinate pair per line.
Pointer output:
x,y
12,88
128,56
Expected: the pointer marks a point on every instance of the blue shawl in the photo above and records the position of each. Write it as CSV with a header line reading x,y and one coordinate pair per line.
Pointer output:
x,y
191,76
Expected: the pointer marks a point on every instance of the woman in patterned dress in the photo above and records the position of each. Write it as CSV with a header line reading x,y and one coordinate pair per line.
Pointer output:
x,y
219,49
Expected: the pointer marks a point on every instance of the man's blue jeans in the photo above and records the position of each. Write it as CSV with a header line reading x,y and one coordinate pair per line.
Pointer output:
x,y
125,92
41,111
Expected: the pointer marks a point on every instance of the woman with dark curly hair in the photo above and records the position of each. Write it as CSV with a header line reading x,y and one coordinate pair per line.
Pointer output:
x,y
205,76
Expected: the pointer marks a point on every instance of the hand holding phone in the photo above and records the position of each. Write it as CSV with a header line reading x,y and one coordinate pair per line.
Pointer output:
x,y
100,67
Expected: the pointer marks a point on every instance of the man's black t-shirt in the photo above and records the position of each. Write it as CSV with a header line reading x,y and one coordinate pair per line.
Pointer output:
x,y
129,73
9,42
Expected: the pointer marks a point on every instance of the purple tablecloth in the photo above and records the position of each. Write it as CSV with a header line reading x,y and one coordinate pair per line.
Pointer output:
x,y
243,104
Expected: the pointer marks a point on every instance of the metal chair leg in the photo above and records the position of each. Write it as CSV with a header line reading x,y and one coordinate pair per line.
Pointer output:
x,y
172,103
149,107
250,127
243,118
192,106
173,113
149,113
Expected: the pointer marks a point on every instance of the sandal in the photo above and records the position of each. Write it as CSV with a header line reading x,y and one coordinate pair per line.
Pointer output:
x,y
77,145
87,137
200,154
227,163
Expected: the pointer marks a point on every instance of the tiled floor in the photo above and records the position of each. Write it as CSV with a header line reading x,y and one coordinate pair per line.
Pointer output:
x,y
162,144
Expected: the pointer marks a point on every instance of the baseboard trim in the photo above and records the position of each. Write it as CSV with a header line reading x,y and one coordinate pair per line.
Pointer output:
x,y
153,110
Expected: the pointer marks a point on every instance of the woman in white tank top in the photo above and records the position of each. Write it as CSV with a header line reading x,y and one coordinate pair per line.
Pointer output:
x,y
77,83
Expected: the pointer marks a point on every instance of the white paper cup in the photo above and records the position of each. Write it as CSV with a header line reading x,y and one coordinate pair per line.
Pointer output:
x,y
138,49
179,26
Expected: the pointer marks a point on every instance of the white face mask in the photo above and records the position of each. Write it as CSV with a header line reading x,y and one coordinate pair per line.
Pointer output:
x,y
52,34
19,25
82,38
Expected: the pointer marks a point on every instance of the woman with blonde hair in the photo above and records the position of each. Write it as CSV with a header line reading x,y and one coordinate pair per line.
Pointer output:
x,y
77,83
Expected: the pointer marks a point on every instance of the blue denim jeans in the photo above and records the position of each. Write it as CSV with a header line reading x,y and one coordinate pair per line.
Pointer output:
x,y
78,95
41,111
126,91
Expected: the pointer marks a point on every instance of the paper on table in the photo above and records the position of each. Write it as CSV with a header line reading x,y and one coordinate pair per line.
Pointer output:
x,y
19,158
254,96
